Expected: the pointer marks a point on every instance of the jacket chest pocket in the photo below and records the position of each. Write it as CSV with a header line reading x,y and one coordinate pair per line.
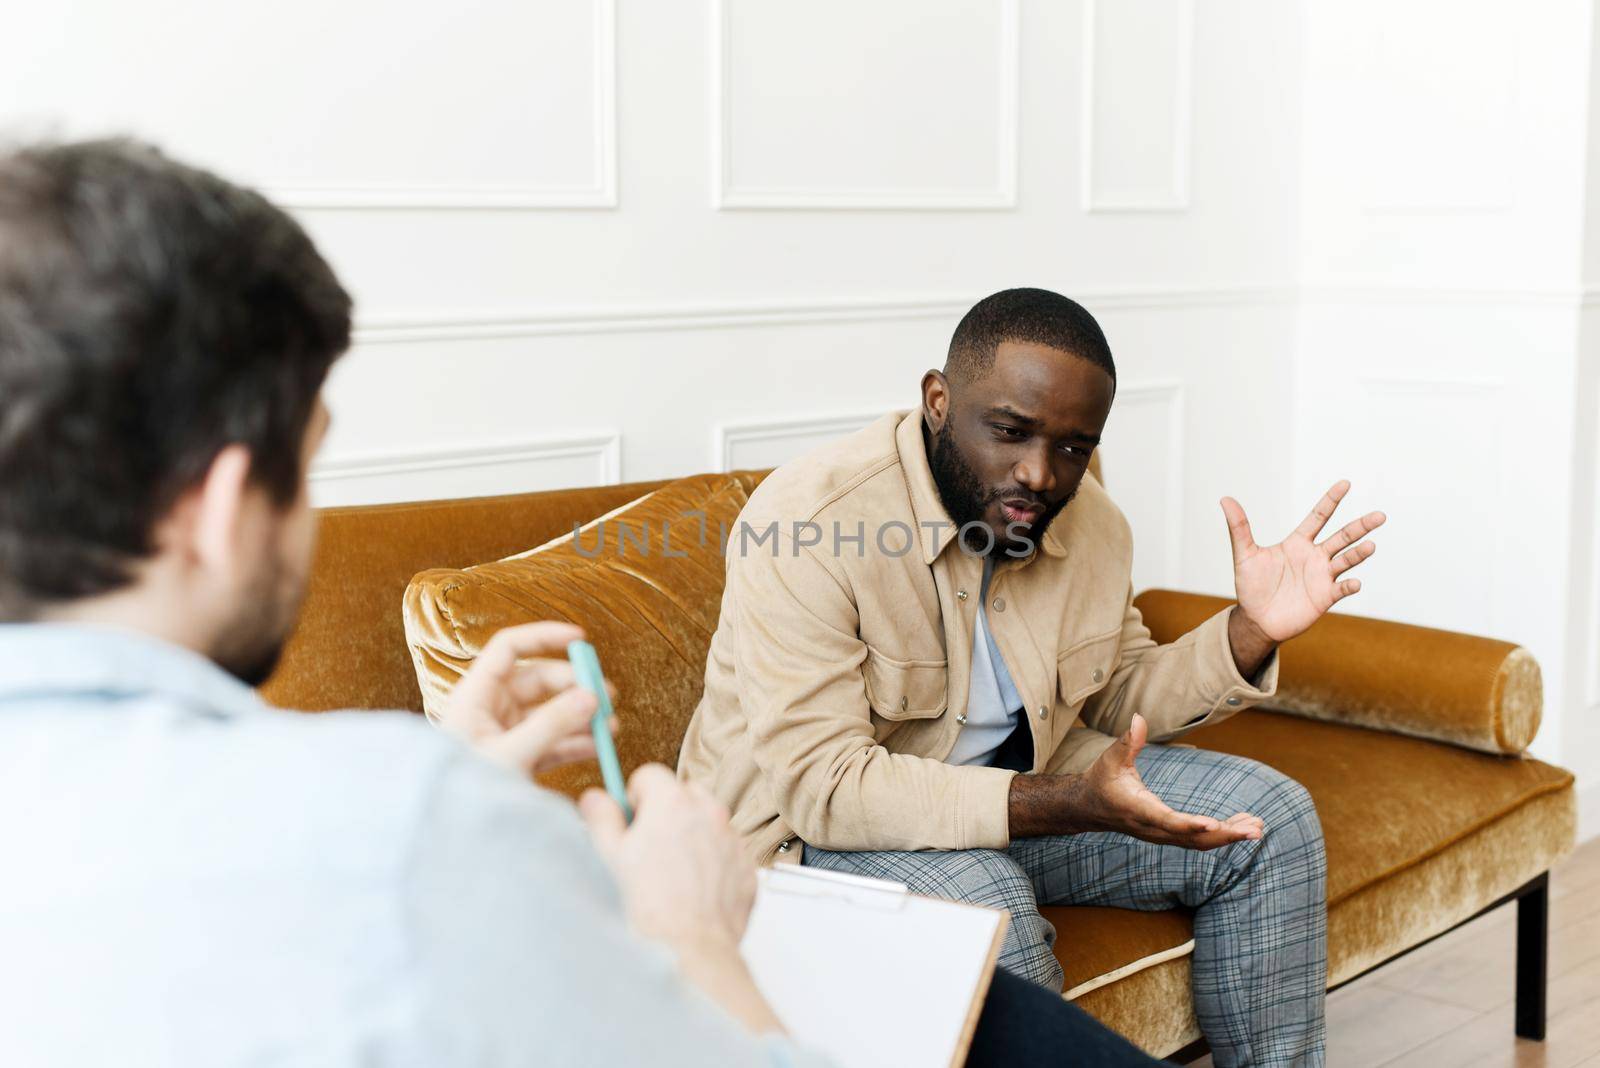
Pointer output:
x,y
1086,668
901,690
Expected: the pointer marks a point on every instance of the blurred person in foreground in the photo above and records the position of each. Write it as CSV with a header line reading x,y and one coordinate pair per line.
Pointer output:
x,y
194,878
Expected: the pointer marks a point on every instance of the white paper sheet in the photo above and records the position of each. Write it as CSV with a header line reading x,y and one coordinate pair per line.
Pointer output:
x,y
864,971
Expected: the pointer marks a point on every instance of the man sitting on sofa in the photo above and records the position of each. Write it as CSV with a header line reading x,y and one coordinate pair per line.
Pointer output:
x,y
193,878
932,619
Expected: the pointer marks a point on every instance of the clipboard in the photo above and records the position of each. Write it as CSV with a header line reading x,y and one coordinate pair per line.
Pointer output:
x,y
866,971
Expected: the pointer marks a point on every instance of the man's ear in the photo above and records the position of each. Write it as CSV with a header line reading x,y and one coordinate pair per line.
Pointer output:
x,y
935,400
217,510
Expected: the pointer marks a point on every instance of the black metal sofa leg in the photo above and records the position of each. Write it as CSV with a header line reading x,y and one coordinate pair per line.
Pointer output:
x,y
1533,943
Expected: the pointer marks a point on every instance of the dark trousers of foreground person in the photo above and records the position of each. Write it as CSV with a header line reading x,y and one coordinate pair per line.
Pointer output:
x,y
1025,1024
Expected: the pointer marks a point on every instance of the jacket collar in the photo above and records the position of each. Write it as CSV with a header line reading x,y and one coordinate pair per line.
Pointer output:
x,y
935,530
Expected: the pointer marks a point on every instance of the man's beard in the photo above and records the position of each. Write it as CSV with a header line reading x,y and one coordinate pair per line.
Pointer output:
x,y
250,647
966,500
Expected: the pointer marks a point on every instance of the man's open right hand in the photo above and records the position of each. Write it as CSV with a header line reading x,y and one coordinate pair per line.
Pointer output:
x,y
1110,796
1118,800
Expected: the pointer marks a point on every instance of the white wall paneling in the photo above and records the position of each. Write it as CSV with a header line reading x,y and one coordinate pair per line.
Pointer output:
x,y
1588,809
474,471
1143,463
1592,689
771,442
1590,651
397,104
555,121
947,308
1438,97
1420,446
867,106
654,318
1137,88
668,384
695,387
1584,619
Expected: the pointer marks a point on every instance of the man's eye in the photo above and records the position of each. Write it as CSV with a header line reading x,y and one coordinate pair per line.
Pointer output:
x,y
1007,431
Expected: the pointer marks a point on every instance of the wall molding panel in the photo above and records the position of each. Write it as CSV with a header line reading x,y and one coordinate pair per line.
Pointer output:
x,y
1359,292
726,194
650,318
499,467
601,194
1171,192
749,444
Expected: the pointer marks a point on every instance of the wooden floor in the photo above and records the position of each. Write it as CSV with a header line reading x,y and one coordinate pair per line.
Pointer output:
x,y
1450,1003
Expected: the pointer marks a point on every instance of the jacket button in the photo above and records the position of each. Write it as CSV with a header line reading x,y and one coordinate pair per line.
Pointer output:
x,y
1099,675
962,719
1044,713
999,604
904,704
1234,701
783,847
961,595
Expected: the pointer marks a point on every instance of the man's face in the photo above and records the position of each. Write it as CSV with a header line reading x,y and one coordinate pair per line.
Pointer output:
x,y
250,644
1009,448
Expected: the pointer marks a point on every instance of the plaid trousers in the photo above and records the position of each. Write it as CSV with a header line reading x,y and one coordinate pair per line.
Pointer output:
x,y
1260,960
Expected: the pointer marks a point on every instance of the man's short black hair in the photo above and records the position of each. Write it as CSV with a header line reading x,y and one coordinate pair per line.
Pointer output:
x,y
151,314
1032,315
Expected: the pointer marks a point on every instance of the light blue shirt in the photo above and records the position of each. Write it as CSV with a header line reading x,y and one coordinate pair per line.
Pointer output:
x,y
192,878
993,703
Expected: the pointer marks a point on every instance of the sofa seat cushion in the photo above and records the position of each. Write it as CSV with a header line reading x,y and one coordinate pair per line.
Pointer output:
x,y
1389,802
645,583
1100,946
1420,836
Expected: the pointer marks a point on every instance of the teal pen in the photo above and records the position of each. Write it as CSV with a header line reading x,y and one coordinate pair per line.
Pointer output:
x,y
586,665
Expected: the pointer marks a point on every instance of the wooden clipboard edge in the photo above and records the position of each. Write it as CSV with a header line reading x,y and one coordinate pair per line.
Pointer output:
x,y
981,994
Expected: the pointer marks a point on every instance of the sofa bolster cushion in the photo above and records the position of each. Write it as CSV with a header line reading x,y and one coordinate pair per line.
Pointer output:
x,y
1437,684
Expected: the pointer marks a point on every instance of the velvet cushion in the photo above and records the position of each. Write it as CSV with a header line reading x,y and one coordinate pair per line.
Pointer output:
x,y
645,583
348,649
1451,687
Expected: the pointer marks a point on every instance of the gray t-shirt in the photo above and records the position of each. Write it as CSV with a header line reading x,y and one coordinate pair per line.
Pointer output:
x,y
993,705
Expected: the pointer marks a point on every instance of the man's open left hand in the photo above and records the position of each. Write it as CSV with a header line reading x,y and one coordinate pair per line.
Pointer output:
x,y
1284,588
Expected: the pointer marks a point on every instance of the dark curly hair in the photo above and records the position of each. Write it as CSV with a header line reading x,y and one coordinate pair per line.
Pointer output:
x,y
151,314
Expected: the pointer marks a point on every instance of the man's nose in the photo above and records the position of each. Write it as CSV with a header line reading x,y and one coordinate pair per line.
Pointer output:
x,y
1034,473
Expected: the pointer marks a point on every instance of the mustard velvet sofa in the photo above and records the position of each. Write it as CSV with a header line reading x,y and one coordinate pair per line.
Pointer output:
x,y
1411,741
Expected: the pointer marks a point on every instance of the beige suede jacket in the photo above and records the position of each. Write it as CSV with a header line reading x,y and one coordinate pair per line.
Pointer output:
x,y
838,674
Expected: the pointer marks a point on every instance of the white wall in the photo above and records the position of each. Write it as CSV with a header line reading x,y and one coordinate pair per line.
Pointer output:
x,y
1444,290
588,237
596,241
